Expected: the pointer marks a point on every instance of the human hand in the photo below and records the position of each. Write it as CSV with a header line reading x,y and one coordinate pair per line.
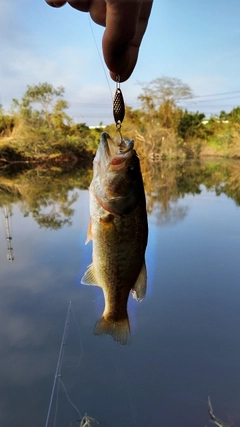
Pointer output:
x,y
125,21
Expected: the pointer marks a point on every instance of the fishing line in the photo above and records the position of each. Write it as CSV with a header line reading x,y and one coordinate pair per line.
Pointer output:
x,y
68,398
58,362
58,374
84,421
58,386
118,101
100,56
124,382
80,339
60,381
56,407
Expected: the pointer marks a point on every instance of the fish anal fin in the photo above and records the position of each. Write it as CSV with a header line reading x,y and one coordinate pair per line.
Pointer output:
x,y
119,330
89,232
140,286
89,278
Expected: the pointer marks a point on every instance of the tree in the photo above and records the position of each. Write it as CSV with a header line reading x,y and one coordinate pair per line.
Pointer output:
x,y
234,115
159,102
191,126
163,89
43,94
6,123
169,115
59,119
40,119
223,115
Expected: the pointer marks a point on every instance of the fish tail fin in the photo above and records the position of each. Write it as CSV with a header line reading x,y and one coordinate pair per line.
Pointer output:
x,y
119,330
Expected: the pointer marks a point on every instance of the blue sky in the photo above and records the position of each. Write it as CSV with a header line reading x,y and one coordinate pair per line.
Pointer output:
x,y
198,42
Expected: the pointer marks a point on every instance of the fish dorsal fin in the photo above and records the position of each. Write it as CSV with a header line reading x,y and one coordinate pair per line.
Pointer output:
x,y
89,277
89,232
140,287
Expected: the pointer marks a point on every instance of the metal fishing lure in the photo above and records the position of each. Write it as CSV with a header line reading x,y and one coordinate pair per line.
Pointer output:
x,y
118,106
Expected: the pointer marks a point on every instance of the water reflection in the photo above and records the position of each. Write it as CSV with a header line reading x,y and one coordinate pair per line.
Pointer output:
x,y
119,230
189,323
45,194
168,182
7,226
48,195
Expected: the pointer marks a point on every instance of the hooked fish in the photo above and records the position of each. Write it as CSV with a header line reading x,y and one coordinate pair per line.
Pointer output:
x,y
119,231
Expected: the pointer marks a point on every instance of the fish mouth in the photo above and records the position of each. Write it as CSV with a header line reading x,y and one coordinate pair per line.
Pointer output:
x,y
116,151
115,147
126,145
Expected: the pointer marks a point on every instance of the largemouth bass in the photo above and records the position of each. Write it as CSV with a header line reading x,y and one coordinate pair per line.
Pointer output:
x,y
119,231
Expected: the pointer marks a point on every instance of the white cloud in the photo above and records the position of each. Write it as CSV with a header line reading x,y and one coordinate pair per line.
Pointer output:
x,y
33,51
25,67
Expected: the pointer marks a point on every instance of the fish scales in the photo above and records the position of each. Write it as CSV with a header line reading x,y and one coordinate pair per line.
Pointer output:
x,y
119,233
117,270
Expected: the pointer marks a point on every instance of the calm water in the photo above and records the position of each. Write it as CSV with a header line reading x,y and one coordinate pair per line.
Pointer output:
x,y
185,343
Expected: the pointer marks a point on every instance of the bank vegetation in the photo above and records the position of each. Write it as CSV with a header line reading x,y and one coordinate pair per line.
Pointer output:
x,y
38,130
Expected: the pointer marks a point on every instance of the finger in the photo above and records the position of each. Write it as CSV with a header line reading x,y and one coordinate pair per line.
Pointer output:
x,y
125,27
131,60
56,3
82,5
96,8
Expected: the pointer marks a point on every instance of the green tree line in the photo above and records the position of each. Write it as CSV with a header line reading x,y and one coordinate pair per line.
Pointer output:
x,y
37,128
165,130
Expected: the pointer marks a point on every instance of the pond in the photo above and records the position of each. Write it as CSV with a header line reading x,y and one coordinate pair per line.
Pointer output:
x,y
185,340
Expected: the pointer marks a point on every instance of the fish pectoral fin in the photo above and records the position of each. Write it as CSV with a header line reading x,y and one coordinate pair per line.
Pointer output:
x,y
89,232
119,330
89,277
140,287
106,219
